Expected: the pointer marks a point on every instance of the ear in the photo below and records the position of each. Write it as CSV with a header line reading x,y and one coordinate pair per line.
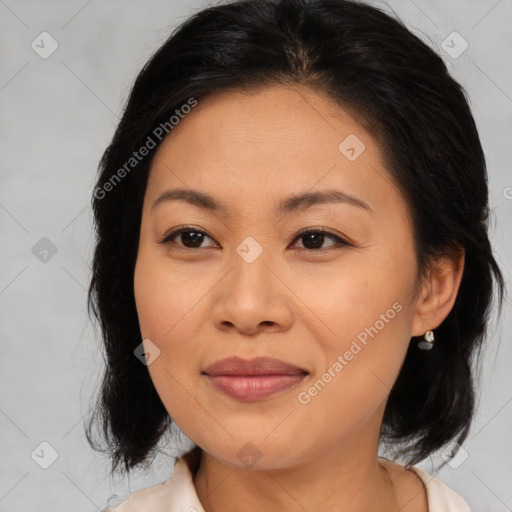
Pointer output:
x,y
438,292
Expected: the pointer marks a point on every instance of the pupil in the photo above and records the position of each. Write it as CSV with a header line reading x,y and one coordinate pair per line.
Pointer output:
x,y
192,237
316,238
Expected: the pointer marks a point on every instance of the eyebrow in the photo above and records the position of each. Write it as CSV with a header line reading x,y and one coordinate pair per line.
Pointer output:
x,y
290,204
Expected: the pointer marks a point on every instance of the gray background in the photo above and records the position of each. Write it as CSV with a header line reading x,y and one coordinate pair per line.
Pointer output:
x,y
57,116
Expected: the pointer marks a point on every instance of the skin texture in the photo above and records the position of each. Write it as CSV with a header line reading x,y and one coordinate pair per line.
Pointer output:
x,y
303,306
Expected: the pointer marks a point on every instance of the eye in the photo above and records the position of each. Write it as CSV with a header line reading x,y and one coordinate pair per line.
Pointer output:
x,y
314,238
189,236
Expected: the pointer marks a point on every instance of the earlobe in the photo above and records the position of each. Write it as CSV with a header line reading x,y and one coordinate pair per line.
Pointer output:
x,y
438,292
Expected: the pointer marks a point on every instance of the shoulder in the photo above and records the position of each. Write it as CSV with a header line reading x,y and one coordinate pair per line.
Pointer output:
x,y
149,498
440,496
421,491
173,495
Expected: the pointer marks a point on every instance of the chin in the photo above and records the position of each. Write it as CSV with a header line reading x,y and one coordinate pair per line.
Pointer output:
x,y
256,454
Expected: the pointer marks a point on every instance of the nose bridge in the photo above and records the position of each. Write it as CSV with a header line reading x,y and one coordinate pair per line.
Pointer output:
x,y
251,271
250,250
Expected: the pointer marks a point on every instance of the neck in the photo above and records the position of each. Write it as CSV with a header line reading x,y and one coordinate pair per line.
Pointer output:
x,y
344,480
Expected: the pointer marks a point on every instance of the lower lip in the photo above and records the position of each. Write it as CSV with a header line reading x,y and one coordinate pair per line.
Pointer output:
x,y
254,387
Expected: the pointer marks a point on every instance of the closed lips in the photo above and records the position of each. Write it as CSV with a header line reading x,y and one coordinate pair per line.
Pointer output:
x,y
237,366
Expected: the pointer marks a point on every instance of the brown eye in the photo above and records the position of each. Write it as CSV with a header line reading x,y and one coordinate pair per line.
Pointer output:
x,y
188,237
313,239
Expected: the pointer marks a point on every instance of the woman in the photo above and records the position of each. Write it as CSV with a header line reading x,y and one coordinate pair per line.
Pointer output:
x,y
292,263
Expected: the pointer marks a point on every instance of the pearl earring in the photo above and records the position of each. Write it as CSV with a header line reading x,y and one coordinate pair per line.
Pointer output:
x,y
427,342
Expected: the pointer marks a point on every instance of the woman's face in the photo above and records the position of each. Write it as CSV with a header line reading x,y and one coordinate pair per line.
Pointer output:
x,y
336,305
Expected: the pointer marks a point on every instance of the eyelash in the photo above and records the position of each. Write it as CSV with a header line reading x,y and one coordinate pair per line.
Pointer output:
x,y
340,241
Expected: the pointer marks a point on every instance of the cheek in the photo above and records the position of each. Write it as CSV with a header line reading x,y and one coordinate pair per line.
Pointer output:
x,y
164,296
368,315
349,301
362,354
171,302
167,308
152,298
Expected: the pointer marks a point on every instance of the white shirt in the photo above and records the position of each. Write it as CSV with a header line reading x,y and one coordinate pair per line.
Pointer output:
x,y
178,494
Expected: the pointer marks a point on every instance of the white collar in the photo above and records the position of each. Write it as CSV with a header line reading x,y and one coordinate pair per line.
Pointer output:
x,y
178,493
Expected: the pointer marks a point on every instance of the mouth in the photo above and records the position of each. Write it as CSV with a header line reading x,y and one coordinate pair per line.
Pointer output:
x,y
253,379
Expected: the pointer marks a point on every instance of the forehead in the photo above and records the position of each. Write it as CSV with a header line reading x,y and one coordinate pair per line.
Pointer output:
x,y
268,141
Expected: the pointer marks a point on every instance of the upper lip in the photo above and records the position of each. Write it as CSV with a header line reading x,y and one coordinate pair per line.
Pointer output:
x,y
256,366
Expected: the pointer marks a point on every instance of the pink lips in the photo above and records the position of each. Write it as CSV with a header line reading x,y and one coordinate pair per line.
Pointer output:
x,y
253,379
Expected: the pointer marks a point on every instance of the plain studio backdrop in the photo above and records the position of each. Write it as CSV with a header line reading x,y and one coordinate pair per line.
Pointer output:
x,y
66,69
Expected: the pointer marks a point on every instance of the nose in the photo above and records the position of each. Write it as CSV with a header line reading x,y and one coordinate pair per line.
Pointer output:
x,y
253,297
